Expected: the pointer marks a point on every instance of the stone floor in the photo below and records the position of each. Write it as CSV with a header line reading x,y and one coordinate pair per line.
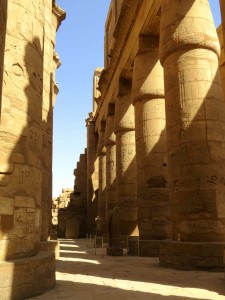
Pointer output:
x,y
82,275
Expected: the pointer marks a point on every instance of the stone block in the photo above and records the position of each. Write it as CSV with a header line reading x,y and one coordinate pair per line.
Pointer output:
x,y
149,248
27,277
24,202
52,246
72,228
192,255
6,206
112,251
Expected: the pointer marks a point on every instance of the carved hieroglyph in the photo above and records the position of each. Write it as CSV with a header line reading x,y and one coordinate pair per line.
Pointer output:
x,y
195,111
151,148
26,132
125,160
20,132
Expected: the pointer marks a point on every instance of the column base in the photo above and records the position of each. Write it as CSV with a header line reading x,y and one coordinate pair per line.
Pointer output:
x,y
149,248
51,246
27,277
114,251
192,255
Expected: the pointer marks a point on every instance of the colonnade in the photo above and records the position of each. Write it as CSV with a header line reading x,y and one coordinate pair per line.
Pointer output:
x,y
164,142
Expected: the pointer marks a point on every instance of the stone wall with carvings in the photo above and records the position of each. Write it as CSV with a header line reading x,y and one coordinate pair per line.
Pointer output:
x,y
27,38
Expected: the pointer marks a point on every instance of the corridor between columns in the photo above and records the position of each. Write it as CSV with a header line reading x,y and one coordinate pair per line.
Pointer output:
x,y
82,275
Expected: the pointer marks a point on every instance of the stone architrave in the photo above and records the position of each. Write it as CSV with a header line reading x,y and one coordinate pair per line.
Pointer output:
x,y
125,160
110,145
101,152
195,123
151,148
92,175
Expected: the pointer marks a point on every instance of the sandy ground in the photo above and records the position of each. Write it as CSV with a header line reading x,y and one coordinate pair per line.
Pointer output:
x,y
82,275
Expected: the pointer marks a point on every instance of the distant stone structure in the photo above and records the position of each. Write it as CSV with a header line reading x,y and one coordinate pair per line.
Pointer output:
x,y
156,133
28,90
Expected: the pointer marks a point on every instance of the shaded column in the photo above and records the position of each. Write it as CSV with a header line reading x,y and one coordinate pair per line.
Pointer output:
x,y
195,109
222,9
125,160
221,33
20,154
92,175
3,21
53,15
101,153
110,145
151,148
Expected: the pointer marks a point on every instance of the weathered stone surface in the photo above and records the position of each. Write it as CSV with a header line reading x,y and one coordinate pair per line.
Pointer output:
x,y
126,196
151,147
92,175
27,277
110,145
187,255
51,247
6,206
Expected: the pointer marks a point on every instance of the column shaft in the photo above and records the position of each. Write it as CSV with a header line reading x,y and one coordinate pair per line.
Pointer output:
x,y
151,145
110,144
125,160
195,111
92,176
101,152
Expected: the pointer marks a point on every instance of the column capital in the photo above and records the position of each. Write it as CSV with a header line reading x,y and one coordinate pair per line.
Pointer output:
x,y
186,25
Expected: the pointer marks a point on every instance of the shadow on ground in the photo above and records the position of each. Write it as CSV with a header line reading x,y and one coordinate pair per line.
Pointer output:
x,y
83,275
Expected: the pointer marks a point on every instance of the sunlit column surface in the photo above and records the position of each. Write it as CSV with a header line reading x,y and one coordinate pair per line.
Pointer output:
x,y
195,110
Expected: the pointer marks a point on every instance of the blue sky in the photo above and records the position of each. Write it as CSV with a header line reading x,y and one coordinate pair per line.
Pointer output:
x,y
80,44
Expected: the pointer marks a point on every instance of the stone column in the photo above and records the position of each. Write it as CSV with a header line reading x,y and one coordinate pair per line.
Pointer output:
x,y
101,152
125,160
151,148
20,154
195,110
92,175
222,9
110,145
221,33
83,194
3,21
